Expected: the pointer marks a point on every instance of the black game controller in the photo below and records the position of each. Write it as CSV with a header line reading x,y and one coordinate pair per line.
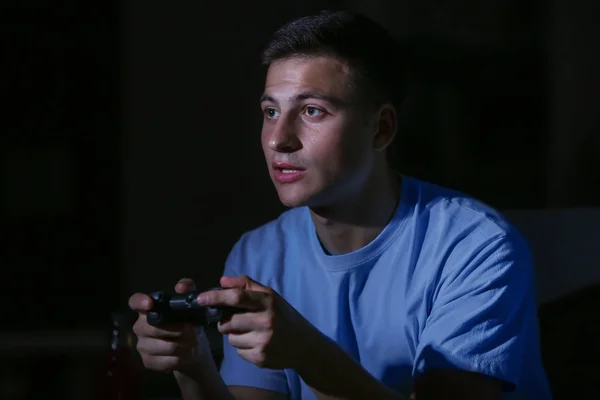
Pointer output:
x,y
184,308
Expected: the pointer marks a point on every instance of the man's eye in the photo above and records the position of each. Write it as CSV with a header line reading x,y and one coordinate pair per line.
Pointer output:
x,y
313,111
271,113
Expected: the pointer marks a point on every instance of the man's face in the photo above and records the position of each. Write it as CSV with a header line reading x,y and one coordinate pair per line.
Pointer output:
x,y
316,138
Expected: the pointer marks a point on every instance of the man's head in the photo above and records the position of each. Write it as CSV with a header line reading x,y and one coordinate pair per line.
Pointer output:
x,y
332,90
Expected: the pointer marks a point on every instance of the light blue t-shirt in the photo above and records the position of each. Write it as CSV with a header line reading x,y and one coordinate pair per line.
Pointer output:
x,y
447,283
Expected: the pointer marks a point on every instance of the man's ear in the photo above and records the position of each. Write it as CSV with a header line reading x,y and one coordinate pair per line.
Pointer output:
x,y
386,124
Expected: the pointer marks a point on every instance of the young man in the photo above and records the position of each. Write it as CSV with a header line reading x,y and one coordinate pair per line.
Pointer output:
x,y
373,285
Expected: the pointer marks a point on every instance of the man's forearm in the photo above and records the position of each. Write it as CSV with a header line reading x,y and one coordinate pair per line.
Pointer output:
x,y
203,381
202,384
332,374
189,387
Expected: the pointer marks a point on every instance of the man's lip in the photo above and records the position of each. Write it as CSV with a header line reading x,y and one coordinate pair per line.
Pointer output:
x,y
283,165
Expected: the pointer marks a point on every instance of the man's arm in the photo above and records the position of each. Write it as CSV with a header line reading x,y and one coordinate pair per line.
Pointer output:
x,y
191,389
251,393
204,382
332,374
214,388
457,384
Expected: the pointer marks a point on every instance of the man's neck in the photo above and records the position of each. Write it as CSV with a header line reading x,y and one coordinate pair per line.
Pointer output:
x,y
353,224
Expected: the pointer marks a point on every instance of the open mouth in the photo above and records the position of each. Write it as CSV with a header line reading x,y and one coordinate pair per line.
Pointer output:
x,y
286,168
287,173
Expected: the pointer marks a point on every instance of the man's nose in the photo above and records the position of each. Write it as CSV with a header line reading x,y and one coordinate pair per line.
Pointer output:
x,y
284,137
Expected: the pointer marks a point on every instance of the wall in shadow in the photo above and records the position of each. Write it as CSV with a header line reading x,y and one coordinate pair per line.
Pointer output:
x,y
565,248
570,328
60,167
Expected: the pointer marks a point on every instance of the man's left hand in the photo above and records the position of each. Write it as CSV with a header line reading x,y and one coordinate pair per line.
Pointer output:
x,y
271,333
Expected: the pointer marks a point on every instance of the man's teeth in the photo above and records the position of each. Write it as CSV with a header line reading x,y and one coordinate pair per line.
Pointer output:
x,y
288,171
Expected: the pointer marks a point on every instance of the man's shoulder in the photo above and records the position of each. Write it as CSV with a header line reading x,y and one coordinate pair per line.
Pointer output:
x,y
457,209
472,236
471,242
462,227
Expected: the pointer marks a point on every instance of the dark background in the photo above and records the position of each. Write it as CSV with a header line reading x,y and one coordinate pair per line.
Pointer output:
x,y
130,144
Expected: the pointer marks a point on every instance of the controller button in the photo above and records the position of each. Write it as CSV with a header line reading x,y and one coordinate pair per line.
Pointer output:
x,y
213,313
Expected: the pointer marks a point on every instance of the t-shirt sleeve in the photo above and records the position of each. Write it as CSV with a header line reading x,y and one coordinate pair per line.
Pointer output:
x,y
235,370
482,312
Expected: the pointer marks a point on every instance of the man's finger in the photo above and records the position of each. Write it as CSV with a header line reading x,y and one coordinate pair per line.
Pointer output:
x,y
140,302
254,355
185,285
169,331
157,347
243,282
243,322
160,363
243,341
236,297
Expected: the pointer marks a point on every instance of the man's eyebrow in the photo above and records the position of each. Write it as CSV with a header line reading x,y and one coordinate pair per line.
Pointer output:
x,y
318,96
306,96
266,97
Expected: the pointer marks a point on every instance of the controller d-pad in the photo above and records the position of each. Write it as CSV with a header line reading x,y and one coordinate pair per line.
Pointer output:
x,y
191,298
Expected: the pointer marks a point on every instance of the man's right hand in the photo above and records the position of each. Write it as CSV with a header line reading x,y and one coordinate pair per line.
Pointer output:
x,y
168,348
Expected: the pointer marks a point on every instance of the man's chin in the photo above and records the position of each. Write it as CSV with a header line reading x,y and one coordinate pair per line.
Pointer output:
x,y
293,201
293,198
301,199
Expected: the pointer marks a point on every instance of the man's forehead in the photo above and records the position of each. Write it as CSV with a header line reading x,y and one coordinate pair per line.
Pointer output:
x,y
321,75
